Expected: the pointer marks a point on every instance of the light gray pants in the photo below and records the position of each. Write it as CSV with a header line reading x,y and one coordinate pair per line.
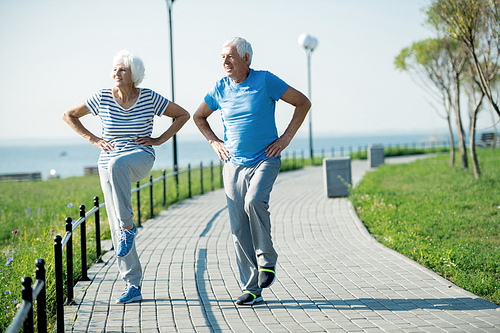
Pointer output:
x,y
248,189
116,183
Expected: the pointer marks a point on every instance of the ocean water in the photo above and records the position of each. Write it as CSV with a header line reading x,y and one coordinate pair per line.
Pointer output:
x,y
71,159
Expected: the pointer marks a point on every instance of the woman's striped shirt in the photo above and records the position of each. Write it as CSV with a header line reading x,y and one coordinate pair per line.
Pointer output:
x,y
122,126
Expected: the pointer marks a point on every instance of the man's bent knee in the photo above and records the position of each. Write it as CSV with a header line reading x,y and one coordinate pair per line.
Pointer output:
x,y
253,204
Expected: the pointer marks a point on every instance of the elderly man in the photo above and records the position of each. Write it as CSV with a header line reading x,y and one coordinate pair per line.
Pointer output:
x,y
251,150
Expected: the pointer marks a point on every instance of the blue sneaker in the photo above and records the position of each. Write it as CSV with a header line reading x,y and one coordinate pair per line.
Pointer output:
x,y
125,241
131,294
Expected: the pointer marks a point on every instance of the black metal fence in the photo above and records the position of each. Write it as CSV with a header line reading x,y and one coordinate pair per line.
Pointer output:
x,y
24,316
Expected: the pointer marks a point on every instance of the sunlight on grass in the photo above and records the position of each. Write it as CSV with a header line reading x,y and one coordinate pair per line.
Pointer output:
x,y
441,217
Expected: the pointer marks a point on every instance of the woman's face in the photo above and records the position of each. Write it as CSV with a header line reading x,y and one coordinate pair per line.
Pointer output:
x,y
122,76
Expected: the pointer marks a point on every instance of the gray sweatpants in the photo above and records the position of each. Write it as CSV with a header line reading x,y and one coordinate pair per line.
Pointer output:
x,y
248,189
116,183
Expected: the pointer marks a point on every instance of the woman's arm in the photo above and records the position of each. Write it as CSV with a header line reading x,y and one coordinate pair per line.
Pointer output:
x,y
180,117
72,118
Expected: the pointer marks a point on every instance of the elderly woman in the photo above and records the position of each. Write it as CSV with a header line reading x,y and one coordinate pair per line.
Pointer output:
x,y
127,155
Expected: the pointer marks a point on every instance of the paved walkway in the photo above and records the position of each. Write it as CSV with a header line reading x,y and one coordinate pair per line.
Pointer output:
x,y
332,275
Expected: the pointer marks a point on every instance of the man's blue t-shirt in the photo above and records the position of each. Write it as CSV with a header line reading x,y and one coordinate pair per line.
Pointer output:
x,y
247,111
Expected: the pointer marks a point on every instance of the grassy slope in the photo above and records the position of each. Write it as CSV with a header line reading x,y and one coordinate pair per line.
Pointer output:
x,y
441,217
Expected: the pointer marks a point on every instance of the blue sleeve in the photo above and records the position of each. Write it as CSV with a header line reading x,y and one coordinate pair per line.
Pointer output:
x,y
275,86
211,101
93,103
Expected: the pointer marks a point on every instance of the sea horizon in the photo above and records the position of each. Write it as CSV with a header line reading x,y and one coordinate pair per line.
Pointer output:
x,y
69,158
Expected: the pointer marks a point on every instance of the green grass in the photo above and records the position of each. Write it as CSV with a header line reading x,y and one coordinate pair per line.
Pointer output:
x,y
35,206
441,217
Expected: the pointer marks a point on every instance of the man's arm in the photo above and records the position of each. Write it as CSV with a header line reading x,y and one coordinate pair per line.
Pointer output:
x,y
302,105
200,119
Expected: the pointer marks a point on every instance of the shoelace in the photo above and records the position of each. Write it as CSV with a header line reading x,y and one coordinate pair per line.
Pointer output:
x,y
122,236
125,290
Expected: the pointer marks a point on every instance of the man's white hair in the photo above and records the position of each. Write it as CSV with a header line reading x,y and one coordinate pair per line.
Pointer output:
x,y
242,46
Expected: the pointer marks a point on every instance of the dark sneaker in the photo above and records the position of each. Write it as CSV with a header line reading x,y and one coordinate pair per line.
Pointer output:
x,y
267,276
125,241
248,299
131,294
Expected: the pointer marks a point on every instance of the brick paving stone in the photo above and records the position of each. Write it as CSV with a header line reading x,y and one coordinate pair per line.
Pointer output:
x,y
332,276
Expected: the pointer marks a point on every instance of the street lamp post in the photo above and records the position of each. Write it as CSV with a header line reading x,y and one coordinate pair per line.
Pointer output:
x,y
309,43
174,138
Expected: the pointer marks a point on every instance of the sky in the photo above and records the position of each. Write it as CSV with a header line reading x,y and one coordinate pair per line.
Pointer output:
x,y
57,53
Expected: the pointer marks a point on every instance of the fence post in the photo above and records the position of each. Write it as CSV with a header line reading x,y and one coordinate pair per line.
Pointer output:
x,y
69,261
83,241
41,300
164,189
138,205
221,167
59,283
212,174
27,294
176,170
189,181
151,203
201,177
97,230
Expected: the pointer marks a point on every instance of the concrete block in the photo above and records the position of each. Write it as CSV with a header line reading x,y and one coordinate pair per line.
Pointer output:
x,y
337,174
376,155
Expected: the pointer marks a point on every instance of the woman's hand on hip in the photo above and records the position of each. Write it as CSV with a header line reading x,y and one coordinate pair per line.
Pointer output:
x,y
148,141
104,145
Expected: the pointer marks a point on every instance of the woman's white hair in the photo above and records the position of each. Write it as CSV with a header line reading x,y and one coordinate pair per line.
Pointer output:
x,y
131,61
242,46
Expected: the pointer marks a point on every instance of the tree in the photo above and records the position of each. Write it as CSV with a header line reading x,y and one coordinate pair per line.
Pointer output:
x,y
439,61
472,89
457,58
458,53
476,23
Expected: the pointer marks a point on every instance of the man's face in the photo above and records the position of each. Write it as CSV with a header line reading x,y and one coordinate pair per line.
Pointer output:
x,y
235,66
